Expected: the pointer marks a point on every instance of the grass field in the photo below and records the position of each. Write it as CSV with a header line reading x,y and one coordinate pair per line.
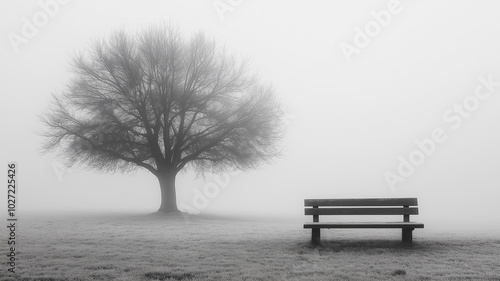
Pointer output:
x,y
152,247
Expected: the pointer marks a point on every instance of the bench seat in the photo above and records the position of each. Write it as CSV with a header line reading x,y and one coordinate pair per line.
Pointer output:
x,y
364,225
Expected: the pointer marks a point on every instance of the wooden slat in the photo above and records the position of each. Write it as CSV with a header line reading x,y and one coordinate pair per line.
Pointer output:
x,y
364,225
362,202
361,211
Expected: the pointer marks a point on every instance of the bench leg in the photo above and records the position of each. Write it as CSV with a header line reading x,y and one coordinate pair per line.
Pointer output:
x,y
316,236
407,235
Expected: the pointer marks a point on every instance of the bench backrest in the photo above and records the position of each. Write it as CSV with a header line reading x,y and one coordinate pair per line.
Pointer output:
x,y
370,206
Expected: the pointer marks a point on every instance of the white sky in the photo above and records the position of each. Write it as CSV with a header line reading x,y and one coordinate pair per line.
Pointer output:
x,y
348,122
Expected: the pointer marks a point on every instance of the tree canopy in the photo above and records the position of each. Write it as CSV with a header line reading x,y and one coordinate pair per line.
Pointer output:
x,y
156,100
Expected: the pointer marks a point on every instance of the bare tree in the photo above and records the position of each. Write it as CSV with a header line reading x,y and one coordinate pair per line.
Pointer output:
x,y
158,101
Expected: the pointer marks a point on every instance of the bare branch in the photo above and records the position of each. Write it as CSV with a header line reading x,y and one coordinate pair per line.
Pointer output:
x,y
157,101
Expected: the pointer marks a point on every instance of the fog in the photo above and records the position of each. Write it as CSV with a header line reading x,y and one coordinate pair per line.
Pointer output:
x,y
409,108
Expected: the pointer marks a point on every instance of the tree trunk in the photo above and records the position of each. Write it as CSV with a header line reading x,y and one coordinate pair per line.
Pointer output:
x,y
167,189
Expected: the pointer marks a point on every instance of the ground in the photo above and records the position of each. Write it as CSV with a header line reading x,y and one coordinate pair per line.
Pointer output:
x,y
153,247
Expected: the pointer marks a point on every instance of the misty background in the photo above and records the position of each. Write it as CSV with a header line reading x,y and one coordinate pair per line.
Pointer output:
x,y
348,120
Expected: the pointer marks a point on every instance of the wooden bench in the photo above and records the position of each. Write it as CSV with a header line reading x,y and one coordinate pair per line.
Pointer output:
x,y
383,206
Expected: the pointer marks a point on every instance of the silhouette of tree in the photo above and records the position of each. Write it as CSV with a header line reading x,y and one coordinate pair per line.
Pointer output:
x,y
158,101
